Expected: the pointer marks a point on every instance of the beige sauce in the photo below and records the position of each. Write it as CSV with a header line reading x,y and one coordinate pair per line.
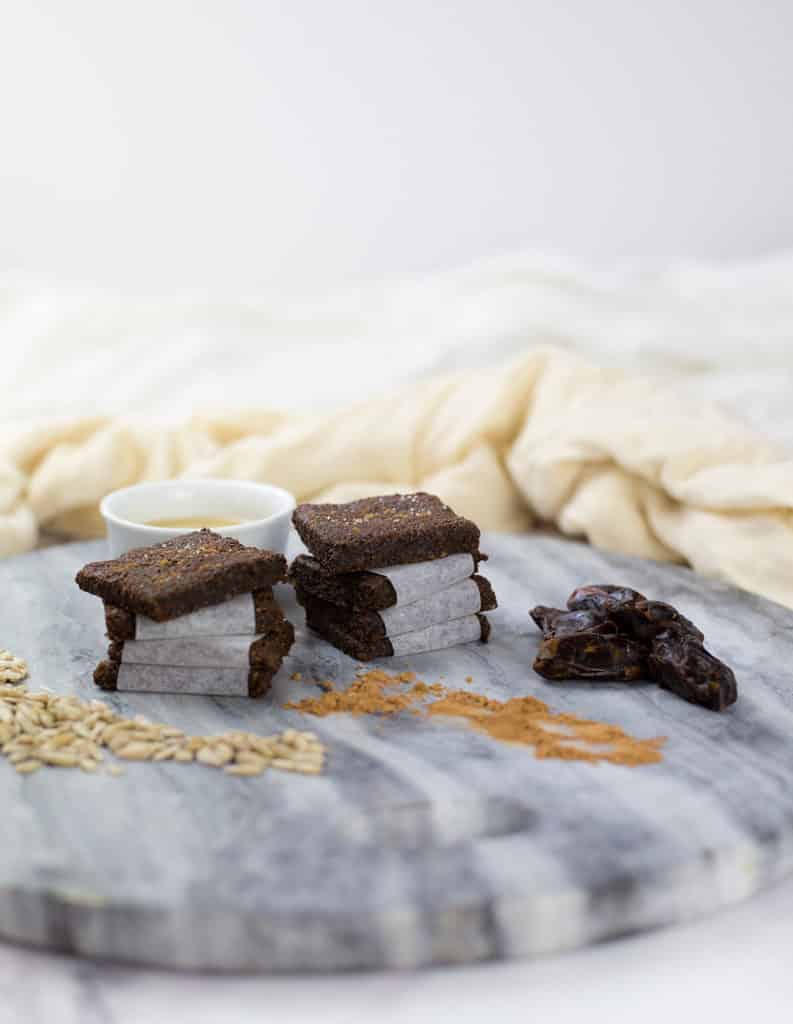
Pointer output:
x,y
192,523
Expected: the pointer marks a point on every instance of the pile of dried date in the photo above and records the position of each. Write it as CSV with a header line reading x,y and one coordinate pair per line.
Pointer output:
x,y
615,633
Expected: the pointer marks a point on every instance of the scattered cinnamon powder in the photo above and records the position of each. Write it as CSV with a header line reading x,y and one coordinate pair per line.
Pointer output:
x,y
366,696
529,720
525,720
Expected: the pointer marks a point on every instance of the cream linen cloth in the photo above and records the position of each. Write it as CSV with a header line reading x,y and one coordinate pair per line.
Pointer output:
x,y
520,389
609,454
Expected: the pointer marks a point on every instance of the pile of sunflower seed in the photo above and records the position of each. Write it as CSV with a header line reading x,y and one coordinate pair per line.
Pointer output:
x,y
12,669
45,729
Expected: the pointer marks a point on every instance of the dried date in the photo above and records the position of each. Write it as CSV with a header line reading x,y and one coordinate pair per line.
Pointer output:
x,y
590,656
602,598
560,622
678,662
645,620
615,633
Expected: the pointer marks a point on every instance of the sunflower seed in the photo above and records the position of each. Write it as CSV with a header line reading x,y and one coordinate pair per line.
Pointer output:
x,y
46,730
12,669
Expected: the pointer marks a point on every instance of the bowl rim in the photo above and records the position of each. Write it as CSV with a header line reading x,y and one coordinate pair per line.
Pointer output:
x,y
288,502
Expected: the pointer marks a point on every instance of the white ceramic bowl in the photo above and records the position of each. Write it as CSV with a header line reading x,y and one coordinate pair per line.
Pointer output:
x,y
264,512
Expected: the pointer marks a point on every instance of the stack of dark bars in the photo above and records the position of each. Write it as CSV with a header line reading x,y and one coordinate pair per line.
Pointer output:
x,y
196,614
391,575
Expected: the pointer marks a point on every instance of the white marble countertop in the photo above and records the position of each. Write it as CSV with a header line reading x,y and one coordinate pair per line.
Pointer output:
x,y
733,966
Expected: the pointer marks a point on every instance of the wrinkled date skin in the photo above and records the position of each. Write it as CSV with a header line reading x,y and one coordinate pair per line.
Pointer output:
x,y
648,619
590,656
616,633
559,622
602,598
678,662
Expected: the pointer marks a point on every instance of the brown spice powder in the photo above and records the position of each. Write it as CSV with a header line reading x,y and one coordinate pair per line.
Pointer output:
x,y
366,696
530,721
524,720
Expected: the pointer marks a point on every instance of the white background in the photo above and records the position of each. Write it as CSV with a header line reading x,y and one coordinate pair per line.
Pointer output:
x,y
227,144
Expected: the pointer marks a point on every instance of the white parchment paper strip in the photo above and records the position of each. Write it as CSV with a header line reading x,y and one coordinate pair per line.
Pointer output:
x,y
226,682
454,602
412,582
435,638
190,652
236,616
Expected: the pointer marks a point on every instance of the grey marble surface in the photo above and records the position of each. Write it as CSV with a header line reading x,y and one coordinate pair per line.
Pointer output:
x,y
425,842
731,967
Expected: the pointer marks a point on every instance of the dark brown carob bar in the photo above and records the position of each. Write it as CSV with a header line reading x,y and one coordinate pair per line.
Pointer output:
x,y
365,649
182,575
193,615
261,650
367,625
220,666
392,529
616,633
257,683
366,591
391,576
121,624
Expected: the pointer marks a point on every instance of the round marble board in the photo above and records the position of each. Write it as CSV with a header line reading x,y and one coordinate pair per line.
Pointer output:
x,y
425,842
